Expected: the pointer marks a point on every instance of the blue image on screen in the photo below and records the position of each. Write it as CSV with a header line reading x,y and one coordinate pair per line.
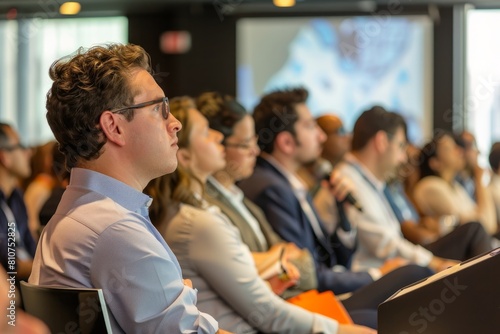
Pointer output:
x,y
349,65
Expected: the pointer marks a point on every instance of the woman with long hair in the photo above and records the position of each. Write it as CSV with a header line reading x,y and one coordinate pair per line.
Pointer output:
x,y
438,194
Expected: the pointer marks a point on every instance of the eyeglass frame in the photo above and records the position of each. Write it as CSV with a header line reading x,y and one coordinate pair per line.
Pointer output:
x,y
247,146
165,111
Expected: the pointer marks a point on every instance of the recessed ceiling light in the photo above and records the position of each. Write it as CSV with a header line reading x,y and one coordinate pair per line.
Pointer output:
x,y
70,8
284,3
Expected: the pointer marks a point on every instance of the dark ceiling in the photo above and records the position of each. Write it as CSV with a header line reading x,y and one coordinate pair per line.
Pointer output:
x,y
49,8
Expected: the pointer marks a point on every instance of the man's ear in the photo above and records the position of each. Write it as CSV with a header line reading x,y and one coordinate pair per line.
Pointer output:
x,y
4,158
285,142
381,141
183,157
111,125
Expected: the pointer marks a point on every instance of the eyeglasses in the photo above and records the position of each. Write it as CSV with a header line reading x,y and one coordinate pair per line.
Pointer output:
x,y
165,107
251,143
13,147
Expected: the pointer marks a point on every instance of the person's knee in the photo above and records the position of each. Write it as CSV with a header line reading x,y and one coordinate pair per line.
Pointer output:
x,y
472,227
414,272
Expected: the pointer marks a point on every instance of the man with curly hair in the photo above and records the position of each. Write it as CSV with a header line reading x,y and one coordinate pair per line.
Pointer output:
x,y
112,122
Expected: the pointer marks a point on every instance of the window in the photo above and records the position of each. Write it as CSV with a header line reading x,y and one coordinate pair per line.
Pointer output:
x,y
483,91
27,49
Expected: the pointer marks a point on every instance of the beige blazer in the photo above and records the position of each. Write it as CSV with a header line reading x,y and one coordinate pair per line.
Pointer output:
x,y
304,263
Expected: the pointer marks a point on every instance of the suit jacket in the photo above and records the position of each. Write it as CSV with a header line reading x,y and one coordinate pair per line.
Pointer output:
x,y
271,191
18,208
304,262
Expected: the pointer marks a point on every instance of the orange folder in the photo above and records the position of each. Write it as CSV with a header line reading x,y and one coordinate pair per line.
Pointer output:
x,y
323,303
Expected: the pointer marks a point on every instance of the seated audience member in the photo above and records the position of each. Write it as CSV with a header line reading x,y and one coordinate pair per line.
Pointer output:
x,y
440,235
438,193
112,122
337,142
209,247
284,199
14,165
410,172
20,323
467,175
41,183
61,174
336,145
494,186
227,116
378,148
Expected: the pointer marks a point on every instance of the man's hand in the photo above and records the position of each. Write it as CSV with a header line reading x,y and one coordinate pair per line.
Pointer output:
x,y
438,264
339,185
187,282
392,264
355,329
280,283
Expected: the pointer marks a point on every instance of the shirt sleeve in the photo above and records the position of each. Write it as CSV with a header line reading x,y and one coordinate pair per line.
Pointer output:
x,y
142,284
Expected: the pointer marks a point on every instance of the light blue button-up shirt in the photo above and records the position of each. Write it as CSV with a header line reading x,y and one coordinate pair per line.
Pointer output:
x,y
101,237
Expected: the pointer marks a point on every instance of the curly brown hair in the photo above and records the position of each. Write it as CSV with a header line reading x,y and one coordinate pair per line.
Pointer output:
x,y
86,84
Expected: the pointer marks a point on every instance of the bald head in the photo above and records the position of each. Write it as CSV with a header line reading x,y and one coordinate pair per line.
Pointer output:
x,y
329,123
337,143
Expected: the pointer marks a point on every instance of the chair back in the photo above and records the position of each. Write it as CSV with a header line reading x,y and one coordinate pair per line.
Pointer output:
x,y
67,310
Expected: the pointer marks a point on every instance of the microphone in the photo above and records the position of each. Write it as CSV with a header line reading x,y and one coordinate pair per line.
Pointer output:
x,y
325,168
353,201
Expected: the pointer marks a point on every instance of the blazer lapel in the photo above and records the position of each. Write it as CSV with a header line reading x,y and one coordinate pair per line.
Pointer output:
x,y
214,197
263,163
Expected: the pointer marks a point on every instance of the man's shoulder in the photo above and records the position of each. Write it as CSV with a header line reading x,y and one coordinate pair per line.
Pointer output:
x,y
263,177
347,169
90,210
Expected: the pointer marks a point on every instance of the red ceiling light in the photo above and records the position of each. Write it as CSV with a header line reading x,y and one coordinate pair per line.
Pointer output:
x,y
11,14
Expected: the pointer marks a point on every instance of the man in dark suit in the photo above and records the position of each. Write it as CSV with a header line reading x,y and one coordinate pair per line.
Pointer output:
x,y
289,138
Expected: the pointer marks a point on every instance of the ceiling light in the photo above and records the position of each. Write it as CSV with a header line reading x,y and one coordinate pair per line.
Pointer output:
x,y
70,8
284,3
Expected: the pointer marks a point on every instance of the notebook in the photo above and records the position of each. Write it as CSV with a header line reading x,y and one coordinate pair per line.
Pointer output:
x,y
323,303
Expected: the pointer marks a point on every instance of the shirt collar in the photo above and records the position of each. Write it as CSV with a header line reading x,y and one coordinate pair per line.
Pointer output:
x,y
16,194
379,185
118,191
232,193
295,182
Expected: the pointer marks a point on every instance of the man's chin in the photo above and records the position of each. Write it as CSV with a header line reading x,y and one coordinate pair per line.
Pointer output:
x,y
170,169
310,161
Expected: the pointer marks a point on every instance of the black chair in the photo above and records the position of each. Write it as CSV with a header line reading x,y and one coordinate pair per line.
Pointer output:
x,y
67,310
